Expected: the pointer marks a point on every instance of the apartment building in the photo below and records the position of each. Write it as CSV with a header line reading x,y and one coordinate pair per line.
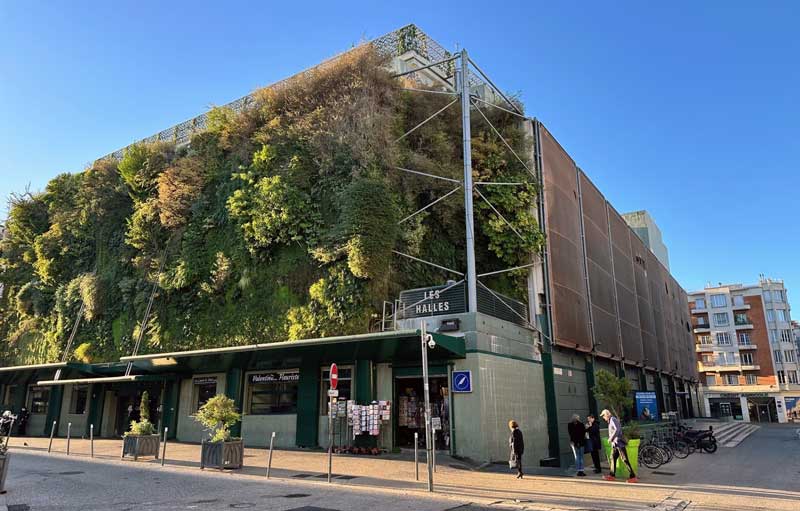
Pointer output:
x,y
648,231
747,355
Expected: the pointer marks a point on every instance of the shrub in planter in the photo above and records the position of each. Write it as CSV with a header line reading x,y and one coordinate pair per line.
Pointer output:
x,y
221,450
4,459
142,439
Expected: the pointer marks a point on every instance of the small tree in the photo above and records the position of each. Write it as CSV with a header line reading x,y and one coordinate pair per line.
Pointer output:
x,y
217,415
616,392
144,407
143,426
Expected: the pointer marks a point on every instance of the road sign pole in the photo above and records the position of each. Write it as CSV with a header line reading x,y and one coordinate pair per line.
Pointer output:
x,y
269,461
426,392
333,376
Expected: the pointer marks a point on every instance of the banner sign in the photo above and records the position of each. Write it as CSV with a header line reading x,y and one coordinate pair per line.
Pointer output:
x,y
275,377
792,407
646,406
205,380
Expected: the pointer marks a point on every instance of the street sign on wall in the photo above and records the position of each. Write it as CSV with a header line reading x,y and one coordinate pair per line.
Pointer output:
x,y
462,381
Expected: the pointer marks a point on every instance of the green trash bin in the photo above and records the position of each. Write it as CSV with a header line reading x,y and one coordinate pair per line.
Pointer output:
x,y
633,456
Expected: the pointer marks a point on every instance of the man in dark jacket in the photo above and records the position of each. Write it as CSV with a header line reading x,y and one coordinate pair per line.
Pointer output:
x,y
517,445
593,429
577,439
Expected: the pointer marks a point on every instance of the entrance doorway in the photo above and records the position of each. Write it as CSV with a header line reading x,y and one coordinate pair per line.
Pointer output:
x,y
411,411
762,409
129,398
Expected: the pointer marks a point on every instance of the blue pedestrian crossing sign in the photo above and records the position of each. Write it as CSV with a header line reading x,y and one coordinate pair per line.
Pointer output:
x,y
462,381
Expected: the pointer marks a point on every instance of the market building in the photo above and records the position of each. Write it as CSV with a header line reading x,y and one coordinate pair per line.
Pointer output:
x,y
598,298
746,353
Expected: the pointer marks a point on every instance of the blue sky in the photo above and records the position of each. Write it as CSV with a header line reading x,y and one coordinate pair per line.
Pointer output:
x,y
688,110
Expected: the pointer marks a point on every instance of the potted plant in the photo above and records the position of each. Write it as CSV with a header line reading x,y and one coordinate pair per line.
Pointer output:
x,y
4,460
217,416
616,394
142,438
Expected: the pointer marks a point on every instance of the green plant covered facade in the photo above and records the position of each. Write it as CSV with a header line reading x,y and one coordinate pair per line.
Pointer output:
x,y
277,222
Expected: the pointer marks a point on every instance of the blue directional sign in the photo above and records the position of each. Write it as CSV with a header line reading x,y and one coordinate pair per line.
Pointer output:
x,y
462,381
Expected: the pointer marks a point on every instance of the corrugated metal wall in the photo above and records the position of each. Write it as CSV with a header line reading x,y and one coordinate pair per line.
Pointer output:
x,y
638,310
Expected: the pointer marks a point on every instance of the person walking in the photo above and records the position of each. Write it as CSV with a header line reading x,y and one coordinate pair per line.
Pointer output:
x,y
517,447
593,444
618,447
577,439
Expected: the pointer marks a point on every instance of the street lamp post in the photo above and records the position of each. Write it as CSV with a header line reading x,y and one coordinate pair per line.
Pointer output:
x,y
427,342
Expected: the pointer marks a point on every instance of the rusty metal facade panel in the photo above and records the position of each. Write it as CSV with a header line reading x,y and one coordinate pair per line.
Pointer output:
x,y
659,300
570,305
625,281
647,320
602,292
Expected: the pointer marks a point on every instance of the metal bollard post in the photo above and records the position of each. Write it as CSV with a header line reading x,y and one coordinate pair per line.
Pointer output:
x,y
91,440
69,432
8,435
269,461
52,432
164,446
433,457
416,455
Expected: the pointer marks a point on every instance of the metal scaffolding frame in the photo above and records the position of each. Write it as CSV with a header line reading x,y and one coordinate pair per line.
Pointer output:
x,y
464,80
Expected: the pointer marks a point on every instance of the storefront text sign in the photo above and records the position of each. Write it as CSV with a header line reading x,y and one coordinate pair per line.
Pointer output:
x,y
274,377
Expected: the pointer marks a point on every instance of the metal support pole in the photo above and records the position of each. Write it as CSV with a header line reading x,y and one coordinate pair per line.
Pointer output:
x,y
269,460
91,440
164,446
69,434
330,437
416,455
426,391
10,428
463,86
433,451
52,432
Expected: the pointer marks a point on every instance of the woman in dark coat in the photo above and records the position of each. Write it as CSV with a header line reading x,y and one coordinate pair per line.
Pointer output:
x,y
593,429
517,445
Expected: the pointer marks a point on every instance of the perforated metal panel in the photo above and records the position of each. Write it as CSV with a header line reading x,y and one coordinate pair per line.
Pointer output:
x,y
627,300
568,289
647,321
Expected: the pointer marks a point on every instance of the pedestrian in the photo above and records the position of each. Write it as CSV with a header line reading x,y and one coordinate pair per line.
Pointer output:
x,y
577,439
618,447
593,444
517,447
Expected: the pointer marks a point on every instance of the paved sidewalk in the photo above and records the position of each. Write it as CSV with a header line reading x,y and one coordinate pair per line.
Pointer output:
x,y
456,479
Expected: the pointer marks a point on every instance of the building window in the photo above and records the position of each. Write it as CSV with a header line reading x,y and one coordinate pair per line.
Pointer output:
x,y
704,339
77,402
747,359
778,357
738,300
781,377
782,316
711,379
789,356
203,389
718,301
741,319
8,396
702,322
723,338
744,339
773,336
792,375
38,399
770,315
708,360
721,319
786,336
767,297
777,296
751,379
731,379
273,392
345,387
700,303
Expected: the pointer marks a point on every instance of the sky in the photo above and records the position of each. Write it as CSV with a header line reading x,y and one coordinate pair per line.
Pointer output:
x,y
689,110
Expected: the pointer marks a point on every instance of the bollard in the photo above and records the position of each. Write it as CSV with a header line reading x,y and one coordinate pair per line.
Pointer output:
x,y
69,431
52,432
164,446
91,440
269,460
416,455
433,457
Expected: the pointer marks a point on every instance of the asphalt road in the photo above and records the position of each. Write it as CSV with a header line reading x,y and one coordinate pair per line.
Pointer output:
x,y
41,483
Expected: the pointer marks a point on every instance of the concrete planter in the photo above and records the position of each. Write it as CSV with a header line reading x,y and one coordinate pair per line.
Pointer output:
x,y
140,445
222,455
4,461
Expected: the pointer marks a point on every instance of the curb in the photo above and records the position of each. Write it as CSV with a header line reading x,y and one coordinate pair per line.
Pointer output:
x,y
672,504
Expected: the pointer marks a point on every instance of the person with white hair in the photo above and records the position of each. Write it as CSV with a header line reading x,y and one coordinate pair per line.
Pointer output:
x,y
618,447
577,440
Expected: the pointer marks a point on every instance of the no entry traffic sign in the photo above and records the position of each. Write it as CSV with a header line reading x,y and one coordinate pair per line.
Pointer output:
x,y
334,376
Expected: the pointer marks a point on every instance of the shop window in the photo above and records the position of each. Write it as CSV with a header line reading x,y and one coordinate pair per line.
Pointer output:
x,y
38,399
77,401
203,389
272,393
345,387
